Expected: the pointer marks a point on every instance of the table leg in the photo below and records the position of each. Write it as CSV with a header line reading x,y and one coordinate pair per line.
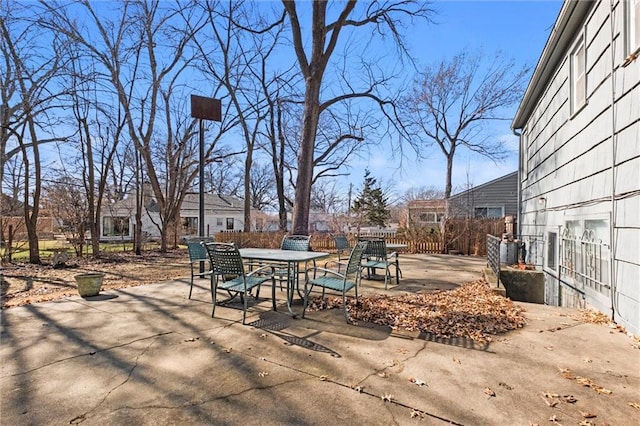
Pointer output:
x,y
291,283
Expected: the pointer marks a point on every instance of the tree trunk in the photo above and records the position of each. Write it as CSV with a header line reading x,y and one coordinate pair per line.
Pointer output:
x,y
305,157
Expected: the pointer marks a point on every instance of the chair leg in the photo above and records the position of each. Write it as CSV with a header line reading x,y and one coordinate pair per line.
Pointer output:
x,y
273,292
214,290
191,286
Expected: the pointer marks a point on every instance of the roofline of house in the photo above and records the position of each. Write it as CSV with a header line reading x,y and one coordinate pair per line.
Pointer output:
x,y
475,188
570,18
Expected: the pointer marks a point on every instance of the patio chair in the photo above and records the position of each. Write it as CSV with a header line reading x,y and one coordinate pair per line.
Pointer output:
x,y
334,280
342,246
376,256
198,258
228,274
294,243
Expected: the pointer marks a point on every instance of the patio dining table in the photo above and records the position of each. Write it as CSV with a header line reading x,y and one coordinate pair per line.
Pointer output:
x,y
290,257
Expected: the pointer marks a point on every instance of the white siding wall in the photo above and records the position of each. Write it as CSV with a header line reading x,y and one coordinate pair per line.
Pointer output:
x,y
570,160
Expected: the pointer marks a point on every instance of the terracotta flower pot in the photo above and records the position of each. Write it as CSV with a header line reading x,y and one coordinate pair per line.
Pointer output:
x,y
89,284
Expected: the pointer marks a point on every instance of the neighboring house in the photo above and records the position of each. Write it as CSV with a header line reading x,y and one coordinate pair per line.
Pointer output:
x,y
221,213
495,199
579,126
425,213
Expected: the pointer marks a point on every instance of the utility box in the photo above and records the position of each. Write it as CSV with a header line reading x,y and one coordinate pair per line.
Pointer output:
x,y
508,253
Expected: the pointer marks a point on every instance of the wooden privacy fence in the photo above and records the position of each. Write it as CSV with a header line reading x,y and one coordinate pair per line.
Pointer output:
x,y
465,236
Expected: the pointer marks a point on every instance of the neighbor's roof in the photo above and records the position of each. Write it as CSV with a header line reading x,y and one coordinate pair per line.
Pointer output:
x,y
568,23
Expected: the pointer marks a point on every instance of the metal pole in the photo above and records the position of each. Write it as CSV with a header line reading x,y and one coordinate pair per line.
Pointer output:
x,y
201,187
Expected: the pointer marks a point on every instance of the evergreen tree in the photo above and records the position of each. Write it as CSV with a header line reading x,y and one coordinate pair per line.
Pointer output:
x,y
370,206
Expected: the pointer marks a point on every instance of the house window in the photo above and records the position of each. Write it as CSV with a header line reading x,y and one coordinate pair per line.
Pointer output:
x,y
190,225
115,226
578,75
431,217
219,221
552,251
632,24
488,212
229,224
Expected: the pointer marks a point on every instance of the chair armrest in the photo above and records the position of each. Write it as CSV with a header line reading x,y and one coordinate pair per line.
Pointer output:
x,y
325,270
334,262
260,269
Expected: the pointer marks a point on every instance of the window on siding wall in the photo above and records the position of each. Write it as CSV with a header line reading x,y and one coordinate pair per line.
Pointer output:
x,y
578,75
488,212
632,26
230,224
551,261
190,225
218,221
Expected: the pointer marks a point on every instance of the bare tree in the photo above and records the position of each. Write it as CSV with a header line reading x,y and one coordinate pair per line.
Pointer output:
x,y
143,50
32,61
67,200
313,60
261,188
452,102
241,45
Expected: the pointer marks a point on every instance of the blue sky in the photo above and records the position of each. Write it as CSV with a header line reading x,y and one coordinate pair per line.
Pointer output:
x,y
518,28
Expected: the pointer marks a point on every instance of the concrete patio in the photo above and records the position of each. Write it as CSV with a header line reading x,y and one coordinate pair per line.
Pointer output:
x,y
149,355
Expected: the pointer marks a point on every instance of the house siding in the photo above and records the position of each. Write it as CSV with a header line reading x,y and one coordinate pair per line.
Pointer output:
x,y
585,166
501,192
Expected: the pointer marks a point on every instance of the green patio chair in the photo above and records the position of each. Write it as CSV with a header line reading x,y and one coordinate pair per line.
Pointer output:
x,y
376,257
229,274
198,258
336,281
294,243
342,246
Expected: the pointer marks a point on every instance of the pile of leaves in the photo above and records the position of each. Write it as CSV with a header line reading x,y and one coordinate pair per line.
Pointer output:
x,y
470,311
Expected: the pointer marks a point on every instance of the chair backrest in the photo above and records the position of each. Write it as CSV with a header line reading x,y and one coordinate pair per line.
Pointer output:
x,y
353,266
376,247
296,242
225,258
196,249
342,243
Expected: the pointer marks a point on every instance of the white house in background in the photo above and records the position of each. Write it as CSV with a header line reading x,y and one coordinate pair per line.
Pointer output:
x,y
579,126
221,213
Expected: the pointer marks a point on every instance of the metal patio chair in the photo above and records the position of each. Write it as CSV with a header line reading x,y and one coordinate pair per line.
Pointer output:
x,y
294,243
198,258
342,246
336,281
376,256
229,274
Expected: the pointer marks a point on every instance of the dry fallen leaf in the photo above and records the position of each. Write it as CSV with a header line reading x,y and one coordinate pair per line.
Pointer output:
x,y
387,397
324,377
470,311
417,413
489,392
587,415
504,385
635,405
569,398
456,360
550,403
417,381
263,374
